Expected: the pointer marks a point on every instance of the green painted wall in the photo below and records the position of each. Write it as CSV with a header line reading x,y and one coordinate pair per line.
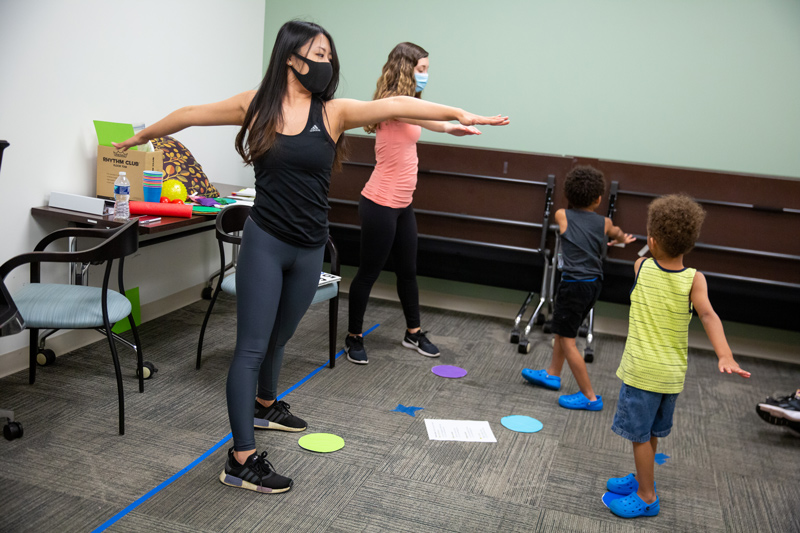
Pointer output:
x,y
698,83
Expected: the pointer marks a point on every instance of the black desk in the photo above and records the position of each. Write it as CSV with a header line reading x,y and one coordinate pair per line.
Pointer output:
x,y
167,229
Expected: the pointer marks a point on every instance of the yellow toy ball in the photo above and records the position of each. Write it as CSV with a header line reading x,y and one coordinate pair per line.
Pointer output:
x,y
174,190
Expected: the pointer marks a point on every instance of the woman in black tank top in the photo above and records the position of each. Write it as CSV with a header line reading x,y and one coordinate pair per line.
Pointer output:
x,y
292,132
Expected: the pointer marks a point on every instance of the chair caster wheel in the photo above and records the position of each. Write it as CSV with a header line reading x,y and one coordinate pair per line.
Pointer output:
x,y
12,430
547,327
524,346
206,293
46,357
148,369
588,355
514,337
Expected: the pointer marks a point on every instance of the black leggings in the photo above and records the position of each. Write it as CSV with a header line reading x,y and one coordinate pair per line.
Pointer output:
x,y
385,230
275,284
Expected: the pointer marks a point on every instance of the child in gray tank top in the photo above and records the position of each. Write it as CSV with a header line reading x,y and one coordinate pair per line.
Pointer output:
x,y
584,235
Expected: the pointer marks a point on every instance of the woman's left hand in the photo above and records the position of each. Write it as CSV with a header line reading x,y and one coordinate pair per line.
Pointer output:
x,y
459,130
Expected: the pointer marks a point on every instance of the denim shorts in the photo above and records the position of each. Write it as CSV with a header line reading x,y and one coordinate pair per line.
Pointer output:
x,y
574,300
643,414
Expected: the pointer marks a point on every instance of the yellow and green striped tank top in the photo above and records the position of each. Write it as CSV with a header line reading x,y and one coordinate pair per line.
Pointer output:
x,y
657,347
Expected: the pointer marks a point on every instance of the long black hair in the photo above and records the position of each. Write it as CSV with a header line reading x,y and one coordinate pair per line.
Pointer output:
x,y
264,117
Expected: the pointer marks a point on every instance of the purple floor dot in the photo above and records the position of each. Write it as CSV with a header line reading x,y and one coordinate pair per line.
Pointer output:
x,y
449,371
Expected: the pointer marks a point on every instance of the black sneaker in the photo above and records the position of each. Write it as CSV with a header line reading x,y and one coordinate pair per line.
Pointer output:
x,y
256,474
277,416
419,342
781,411
354,348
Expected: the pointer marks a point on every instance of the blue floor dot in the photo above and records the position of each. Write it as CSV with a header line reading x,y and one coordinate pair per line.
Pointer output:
x,y
521,423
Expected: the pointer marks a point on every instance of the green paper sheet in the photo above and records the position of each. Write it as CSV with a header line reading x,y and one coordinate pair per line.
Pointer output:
x,y
123,325
108,132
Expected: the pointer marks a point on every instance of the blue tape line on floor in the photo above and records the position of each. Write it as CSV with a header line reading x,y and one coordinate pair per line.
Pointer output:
x,y
108,523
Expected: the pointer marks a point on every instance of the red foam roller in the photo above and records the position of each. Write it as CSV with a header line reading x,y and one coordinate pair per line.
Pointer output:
x,y
165,210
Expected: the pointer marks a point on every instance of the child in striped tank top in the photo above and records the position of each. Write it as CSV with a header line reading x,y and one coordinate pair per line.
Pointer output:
x,y
653,365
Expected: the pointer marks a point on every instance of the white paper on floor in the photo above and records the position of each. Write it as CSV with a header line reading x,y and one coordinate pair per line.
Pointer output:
x,y
459,430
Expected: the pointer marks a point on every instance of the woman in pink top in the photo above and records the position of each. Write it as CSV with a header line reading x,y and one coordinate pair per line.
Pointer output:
x,y
387,218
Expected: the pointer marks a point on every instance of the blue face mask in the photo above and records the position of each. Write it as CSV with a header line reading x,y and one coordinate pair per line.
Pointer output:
x,y
422,80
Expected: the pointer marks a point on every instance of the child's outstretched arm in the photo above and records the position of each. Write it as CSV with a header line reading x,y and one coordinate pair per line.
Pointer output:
x,y
713,326
616,233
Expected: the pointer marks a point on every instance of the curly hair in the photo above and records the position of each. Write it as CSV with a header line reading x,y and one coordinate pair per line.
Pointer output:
x,y
584,184
397,76
674,221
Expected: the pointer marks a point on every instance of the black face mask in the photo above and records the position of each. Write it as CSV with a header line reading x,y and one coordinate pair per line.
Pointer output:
x,y
318,76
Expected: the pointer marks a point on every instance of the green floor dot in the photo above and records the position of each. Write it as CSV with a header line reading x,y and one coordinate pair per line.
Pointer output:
x,y
321,442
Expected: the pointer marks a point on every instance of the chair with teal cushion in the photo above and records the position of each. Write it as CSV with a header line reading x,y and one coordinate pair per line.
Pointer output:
x,y
55,306
230,223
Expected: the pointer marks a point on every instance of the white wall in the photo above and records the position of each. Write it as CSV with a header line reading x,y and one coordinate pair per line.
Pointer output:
x,y
66,63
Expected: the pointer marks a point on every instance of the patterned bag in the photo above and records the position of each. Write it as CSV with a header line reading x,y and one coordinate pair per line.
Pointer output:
x,y
180,164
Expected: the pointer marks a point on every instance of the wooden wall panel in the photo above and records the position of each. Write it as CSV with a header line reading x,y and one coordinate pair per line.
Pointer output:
x,y
515,199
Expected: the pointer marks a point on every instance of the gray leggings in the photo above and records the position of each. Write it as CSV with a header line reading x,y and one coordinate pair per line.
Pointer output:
x,y
275,284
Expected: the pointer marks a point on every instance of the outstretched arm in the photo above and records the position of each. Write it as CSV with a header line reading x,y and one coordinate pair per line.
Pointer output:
x,y
228,112
348,114
713,326
458,130
617,235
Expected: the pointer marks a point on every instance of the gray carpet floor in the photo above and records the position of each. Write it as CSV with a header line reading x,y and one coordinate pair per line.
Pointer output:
x,y
728,470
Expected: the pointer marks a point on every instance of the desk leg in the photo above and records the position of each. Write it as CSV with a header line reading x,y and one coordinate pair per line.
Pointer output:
x,y
78,272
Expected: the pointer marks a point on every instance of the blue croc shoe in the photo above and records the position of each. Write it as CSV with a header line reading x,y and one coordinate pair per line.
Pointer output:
x,y
632,506
623,485
579,401
541,378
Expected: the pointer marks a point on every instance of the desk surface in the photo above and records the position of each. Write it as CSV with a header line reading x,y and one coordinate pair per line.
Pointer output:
x,y
165,224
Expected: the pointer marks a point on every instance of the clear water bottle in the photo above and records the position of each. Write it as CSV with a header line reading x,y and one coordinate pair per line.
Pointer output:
x,y
122,194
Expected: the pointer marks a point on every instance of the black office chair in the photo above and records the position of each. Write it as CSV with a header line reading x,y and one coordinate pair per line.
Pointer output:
x,y
230,223
53,306
10,323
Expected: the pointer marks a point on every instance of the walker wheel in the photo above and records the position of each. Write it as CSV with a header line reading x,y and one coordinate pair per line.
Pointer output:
x,y
46,357
148,369
524,346
547,327
588,355
12,430
514,337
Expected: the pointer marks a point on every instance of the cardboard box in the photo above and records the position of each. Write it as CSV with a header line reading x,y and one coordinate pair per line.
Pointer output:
x,y
110,162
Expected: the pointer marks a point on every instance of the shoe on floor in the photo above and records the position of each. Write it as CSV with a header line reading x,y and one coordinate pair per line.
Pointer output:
x,y
632,506
255,474
623,485
781,410
541,378
277,416
354,348
579,401
419,342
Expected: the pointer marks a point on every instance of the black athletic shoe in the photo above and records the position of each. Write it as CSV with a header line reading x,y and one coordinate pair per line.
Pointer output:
x,y
781,411
419,342
277,416
256,474
354,348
